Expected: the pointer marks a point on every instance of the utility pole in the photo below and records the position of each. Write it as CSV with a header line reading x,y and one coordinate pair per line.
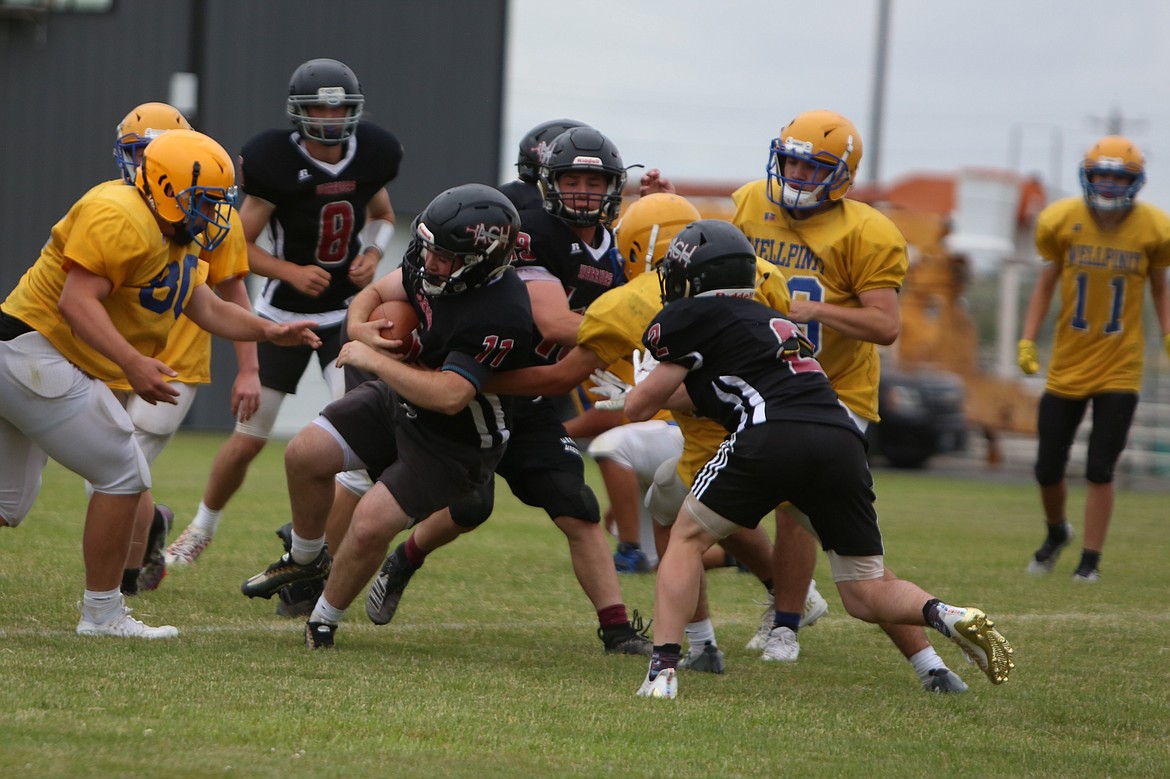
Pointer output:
x,y
877,101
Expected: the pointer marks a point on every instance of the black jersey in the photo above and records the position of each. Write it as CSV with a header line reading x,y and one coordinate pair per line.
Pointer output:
x,y
550,245
523,194
474,333
319,207
742,366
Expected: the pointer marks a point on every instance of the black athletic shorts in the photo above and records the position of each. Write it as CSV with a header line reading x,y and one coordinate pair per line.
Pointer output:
x,y
423,472
281,367
821,469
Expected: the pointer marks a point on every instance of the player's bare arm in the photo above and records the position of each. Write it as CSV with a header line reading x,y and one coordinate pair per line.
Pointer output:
x,y
551,313
662,388
877,320
555,379
81,305
227,320
443,391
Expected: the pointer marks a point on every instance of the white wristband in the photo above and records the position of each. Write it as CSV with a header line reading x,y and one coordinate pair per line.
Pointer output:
x,y
377,235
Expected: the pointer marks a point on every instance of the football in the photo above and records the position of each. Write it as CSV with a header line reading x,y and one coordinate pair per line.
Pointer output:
x,y
402,319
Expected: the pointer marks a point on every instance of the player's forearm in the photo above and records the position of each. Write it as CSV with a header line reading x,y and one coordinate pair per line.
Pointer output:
x,y
441,391
263,263
92,323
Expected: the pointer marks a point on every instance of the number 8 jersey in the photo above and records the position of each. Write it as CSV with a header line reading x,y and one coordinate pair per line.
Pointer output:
x,y
319,210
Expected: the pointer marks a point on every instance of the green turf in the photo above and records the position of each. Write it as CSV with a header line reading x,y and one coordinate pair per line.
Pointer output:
x,y
492,667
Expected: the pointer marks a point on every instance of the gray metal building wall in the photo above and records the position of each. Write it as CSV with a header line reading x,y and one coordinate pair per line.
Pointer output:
x,y
432,72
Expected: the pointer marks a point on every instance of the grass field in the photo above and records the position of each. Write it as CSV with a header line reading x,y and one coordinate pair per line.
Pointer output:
x,y
492,667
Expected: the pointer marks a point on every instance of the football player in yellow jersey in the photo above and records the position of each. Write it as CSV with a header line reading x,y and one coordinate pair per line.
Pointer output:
x,y
1100,250
610,332
844,263
188,351
96,307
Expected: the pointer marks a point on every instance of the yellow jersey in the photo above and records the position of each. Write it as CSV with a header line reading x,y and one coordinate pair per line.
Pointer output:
x,y
1098,343
830,257
612,328
188,349
112,233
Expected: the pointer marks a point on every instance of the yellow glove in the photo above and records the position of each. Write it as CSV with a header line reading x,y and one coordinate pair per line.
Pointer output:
x,y
1166,343
1027,358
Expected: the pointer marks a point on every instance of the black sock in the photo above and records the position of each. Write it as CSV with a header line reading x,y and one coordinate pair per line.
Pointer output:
x,y
1090,560
665,656
1058,534
130,581
625,547
930,612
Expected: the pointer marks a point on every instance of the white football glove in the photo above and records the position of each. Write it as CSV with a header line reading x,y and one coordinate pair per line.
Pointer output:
x,y
644,362
610,387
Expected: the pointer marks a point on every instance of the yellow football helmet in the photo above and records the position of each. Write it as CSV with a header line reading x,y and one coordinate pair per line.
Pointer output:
x,y
188,180
141,126
647,227
828,141
1115,155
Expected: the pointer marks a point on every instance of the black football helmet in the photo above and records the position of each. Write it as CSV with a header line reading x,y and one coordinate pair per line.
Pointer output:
x,y
708,256
325,82
582,149
535,143
472,223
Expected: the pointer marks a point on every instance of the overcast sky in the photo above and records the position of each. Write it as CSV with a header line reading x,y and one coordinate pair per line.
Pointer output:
x,y
700,87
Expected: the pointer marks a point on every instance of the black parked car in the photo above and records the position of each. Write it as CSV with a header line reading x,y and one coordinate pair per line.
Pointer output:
x,y
921,416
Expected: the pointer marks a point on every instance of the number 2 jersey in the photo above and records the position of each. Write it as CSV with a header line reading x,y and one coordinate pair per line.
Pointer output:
x,y
112,233
1098,344
319,210
743,367
484,329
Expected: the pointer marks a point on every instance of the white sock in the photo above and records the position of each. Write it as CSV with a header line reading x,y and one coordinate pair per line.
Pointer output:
x,y
699,634
101,607
305,550
926,661
323,612
206,521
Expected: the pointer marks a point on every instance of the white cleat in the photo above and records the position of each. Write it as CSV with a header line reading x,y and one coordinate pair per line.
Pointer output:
x,y
124,626
782,646
665,685
187,547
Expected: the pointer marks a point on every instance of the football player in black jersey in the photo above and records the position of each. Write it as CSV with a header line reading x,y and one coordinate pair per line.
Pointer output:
x,y
426,432
566,257
524,191
741,363
318,192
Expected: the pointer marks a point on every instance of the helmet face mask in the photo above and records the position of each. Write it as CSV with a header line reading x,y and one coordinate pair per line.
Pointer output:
x,y
474,228
325,83
139,127
536,143
828,148
1112,173
582,150
646,228
707,258
189,182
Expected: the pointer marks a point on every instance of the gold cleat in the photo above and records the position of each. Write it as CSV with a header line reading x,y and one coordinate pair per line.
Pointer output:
x,y
981,643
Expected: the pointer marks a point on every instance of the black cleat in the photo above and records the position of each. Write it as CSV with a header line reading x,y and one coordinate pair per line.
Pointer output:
x,y
286,571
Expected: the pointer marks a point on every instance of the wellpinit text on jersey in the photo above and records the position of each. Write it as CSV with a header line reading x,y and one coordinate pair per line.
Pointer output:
x,y
788,255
